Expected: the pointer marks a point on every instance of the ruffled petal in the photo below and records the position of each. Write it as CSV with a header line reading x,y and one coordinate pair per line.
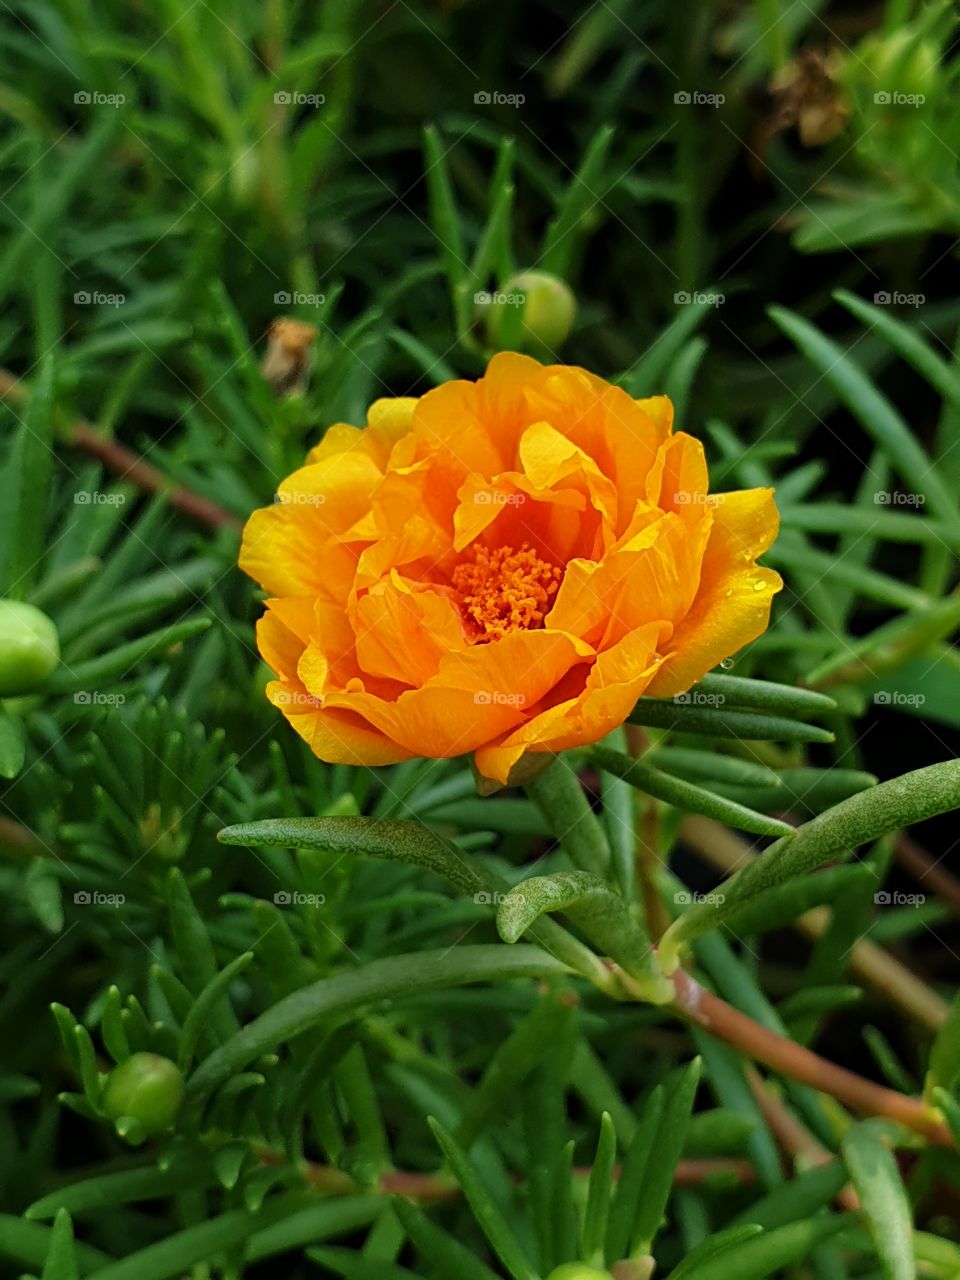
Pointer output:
x,y
733,604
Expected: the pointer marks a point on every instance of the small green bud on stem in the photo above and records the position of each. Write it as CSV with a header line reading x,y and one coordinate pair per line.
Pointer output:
x,y
547,310
29,648
146,1088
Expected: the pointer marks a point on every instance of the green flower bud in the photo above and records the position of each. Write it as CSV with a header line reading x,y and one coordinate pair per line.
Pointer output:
x,y
577,1271
145,1088
534,311
901,66
29,648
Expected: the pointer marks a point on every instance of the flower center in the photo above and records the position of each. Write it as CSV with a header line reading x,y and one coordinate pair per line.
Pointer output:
x,y
505,590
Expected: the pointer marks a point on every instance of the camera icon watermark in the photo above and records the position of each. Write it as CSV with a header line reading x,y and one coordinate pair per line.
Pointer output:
x,y
683,298
883,298
98,498
88,898
497,498
488,299
886,898
294,898
497,698
894,98
897,698
485,899
694,498
894,498
284,298
294,98
94,298
93,98
696,98
94,698
691,898
288,499
699,698
494,98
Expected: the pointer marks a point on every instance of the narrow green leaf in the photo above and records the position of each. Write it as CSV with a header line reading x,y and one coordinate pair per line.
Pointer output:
x,y
801,1197
502,1240
764,695
61,1260
668,1145
835,834
452,1259
112,1030
120,662
697,766
710,1248
884,1199
943,1070
208,999
512,1062
30,463
348,993
683,717
407,842
766,1254
597,911
583,191
625,1206
13,744
943,377
599,1193
686,795
872,409
445,221
559,796
87,1058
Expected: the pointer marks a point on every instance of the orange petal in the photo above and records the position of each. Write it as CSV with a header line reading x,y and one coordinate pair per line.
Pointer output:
x,y
615,682
733,604
337,736
404,629
477,693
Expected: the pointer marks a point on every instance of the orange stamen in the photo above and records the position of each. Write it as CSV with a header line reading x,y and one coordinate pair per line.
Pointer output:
x,y
505,590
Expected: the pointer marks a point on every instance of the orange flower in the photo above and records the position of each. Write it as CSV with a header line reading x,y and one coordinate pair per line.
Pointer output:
x,y
501,566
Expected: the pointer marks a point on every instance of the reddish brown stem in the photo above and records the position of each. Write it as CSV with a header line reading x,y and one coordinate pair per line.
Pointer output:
x,y
735,1028
796,1140
946,886
123,462
434,1188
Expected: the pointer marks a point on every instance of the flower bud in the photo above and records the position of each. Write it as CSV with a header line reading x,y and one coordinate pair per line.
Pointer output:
x,y
146,1088
894,75
29,648
534,311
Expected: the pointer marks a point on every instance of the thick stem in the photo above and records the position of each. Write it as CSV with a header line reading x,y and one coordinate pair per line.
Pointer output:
x,y
720,1019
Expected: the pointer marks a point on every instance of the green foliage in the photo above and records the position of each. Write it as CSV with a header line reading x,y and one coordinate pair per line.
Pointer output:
x,y
420,1032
